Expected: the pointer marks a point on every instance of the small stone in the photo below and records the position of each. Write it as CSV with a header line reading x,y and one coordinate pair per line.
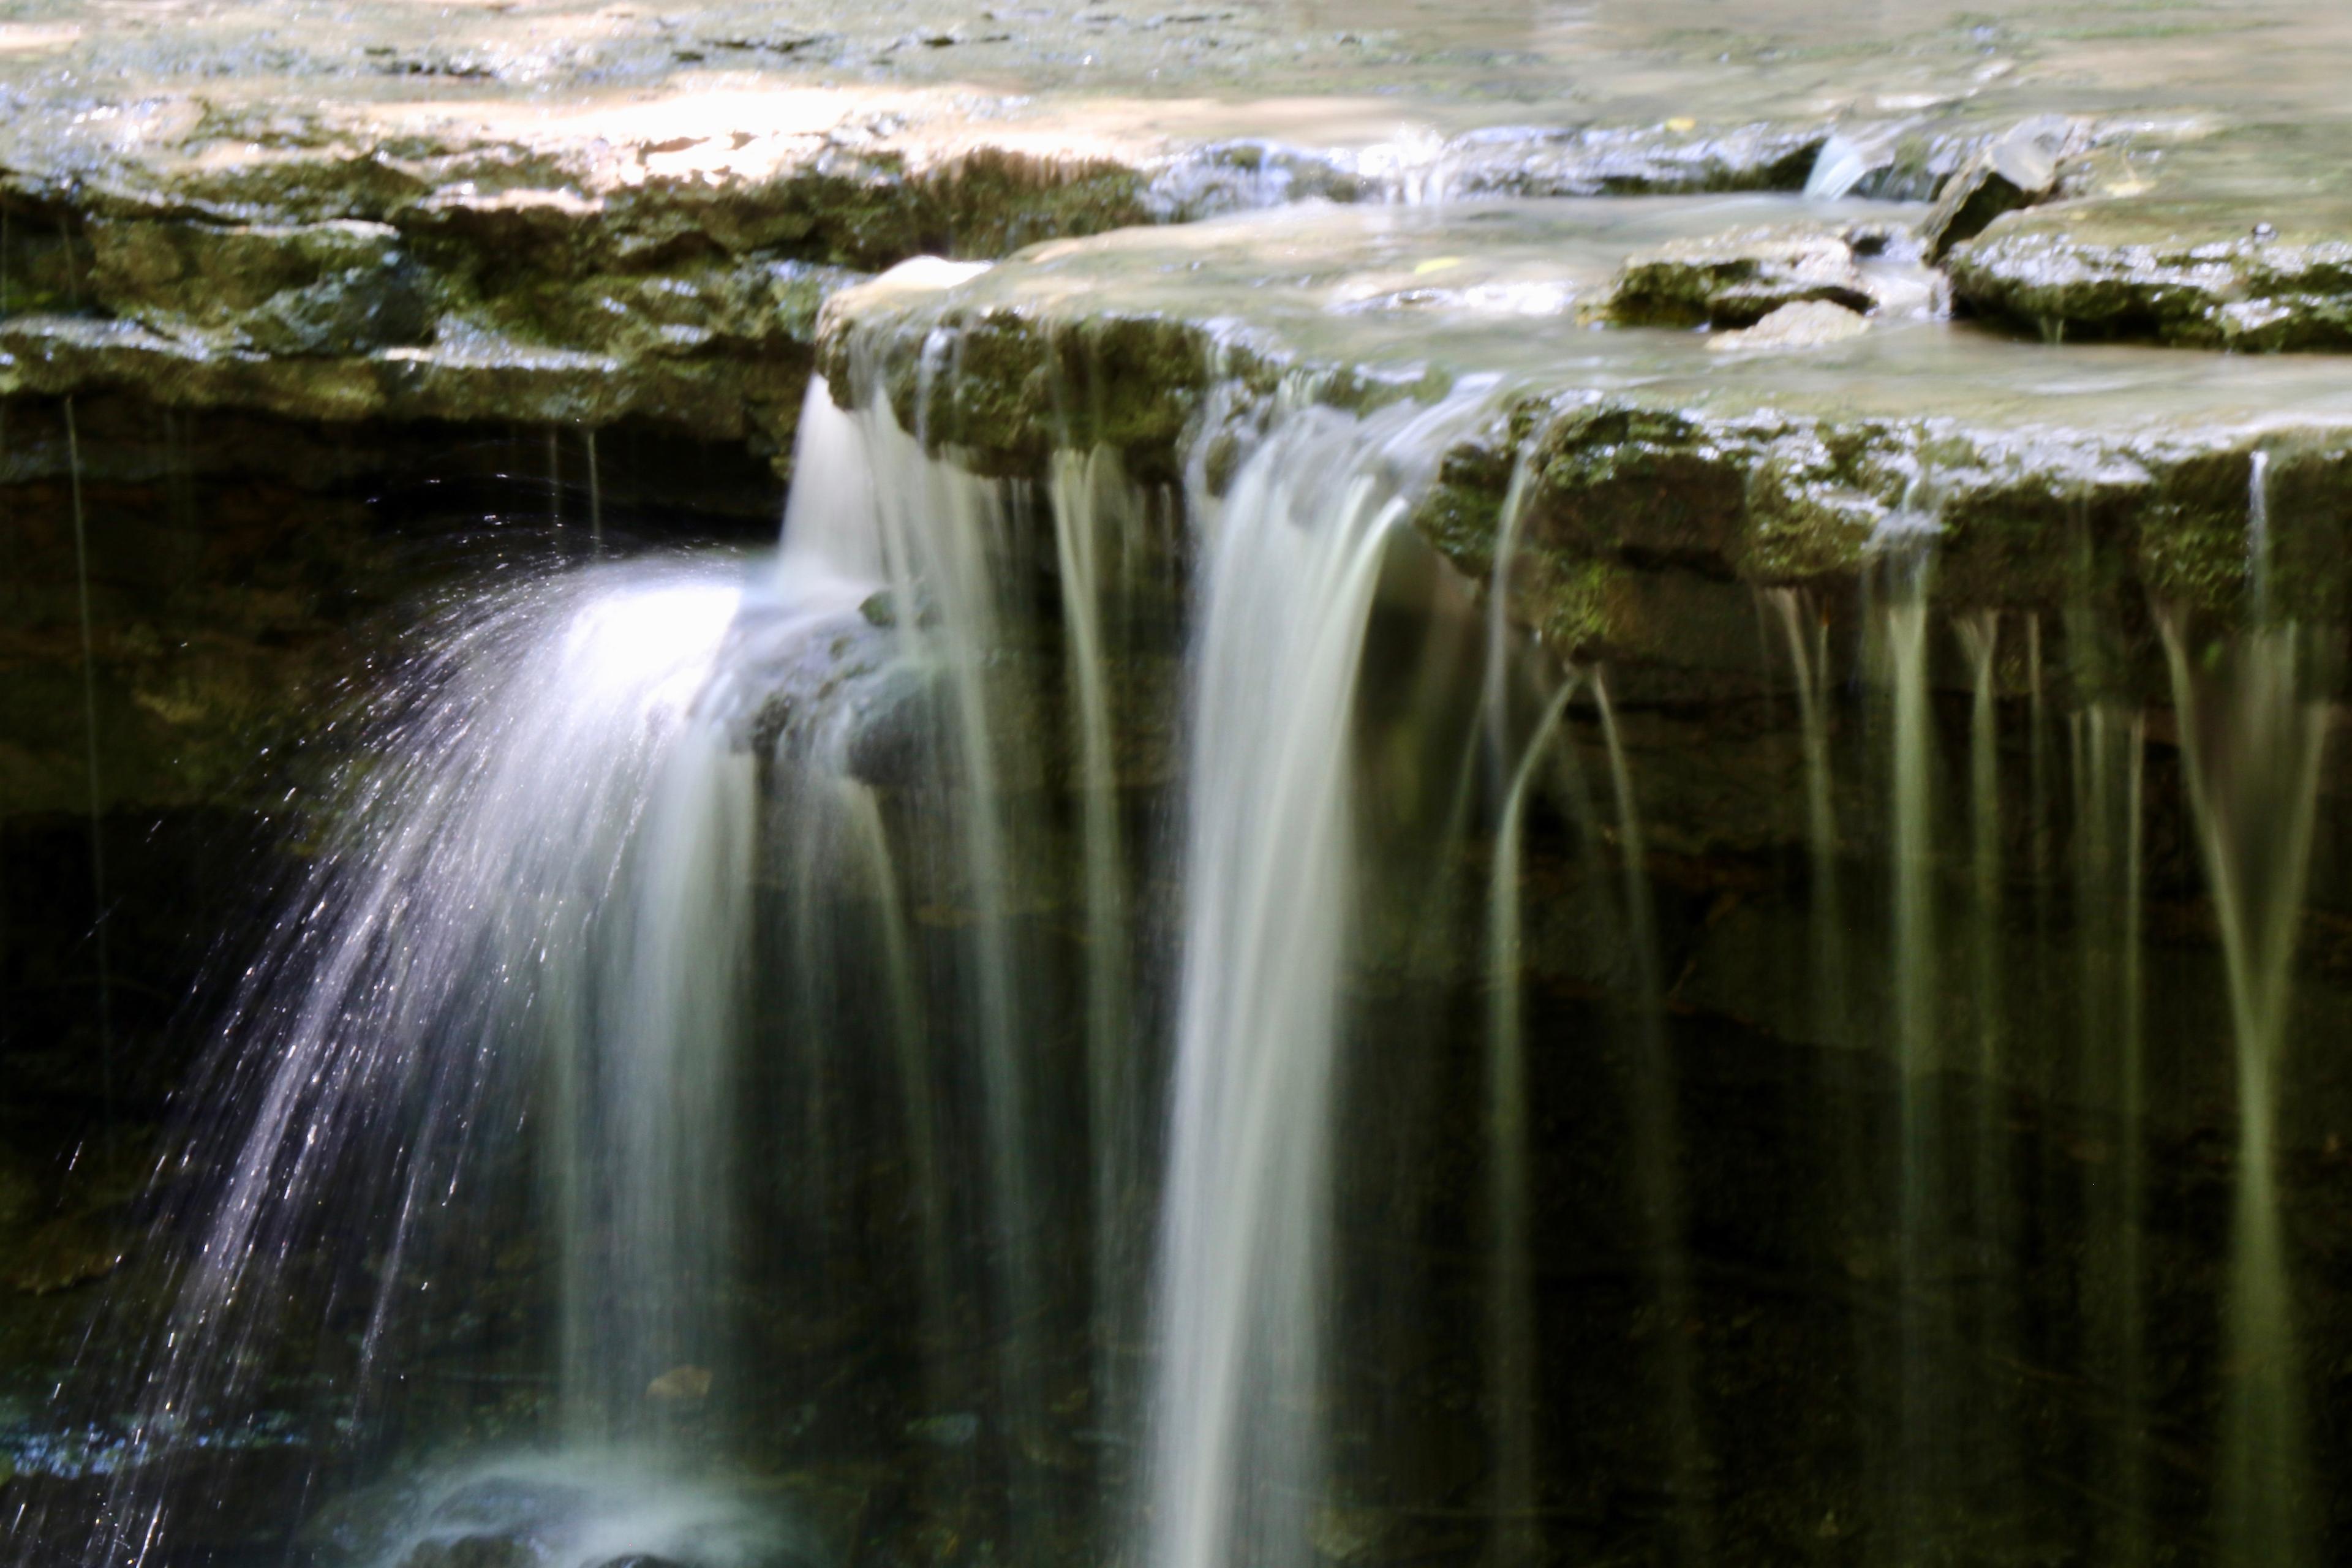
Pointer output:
x,y
2266,231
1808,324
680,1386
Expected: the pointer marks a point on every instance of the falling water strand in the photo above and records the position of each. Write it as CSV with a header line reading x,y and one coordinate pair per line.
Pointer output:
x,y
1088,495
1290,557
2108,780
937,537
90,775
1809,664
1655,1146
1980,640
1496,695
1512,1380
2258,536
595,497
554,476
1918,1209
1991,1206
2251,741
919,1096
2132,1164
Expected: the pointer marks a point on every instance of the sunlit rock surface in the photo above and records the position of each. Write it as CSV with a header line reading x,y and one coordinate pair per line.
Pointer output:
x,y
555,213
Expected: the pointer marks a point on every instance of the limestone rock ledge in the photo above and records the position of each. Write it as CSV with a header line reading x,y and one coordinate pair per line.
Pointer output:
x,y
2193,274
1665,484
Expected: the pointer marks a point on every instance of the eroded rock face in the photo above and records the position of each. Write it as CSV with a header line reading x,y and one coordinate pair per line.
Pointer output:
x,y
302,290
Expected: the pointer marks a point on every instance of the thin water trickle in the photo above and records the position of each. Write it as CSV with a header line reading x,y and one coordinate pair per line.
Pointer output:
x,y
1921,1227
1808,650
2258,535
1092,507
595,497
1657,1177
2127,733
1980,641
1512,1375
1991,1201
98,937
2254,730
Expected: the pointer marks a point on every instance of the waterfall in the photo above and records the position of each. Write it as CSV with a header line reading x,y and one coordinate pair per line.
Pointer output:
x,y
927,1007
944,547
1509,1360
